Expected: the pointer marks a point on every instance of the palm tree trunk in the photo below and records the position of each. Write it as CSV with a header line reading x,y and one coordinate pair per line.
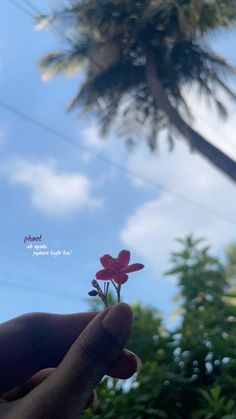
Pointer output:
x,y
197,141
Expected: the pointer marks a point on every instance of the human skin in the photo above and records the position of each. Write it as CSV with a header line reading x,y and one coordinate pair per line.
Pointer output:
x,y
50,363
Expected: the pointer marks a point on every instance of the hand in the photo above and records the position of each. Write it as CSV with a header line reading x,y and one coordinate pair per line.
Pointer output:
x,y
50,364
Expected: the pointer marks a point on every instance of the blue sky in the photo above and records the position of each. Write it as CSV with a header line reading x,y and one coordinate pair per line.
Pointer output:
x,y
81,204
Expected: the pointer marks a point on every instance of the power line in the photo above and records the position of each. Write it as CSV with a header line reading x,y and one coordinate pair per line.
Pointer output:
x,y
32,6
35,9
119,166
216,133
67,139
30,288
38,290
22,9
105,159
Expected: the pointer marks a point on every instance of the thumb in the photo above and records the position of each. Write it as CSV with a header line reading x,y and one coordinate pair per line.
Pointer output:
x,y
65,393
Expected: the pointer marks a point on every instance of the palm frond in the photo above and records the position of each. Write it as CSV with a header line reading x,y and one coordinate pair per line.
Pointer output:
x,y
172,28
60,62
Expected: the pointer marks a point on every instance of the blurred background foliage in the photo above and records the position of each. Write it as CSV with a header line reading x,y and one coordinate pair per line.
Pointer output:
x,y
189,371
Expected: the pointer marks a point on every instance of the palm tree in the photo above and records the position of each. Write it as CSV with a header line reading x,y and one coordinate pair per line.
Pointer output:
x,y
140,58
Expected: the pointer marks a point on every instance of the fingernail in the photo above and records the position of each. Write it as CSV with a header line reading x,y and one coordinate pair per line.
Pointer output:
x,y
138,361
118,321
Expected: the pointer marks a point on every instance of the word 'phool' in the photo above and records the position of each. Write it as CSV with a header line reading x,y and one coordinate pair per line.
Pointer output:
x,y
29,238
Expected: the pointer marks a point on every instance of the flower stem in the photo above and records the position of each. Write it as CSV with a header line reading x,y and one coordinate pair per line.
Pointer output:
x,y
114,285
118,293
99,289
106,294
117,288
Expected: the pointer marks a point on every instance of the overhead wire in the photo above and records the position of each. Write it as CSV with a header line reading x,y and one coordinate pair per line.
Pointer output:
x,y
32,6
35,289
220,136
119,166
19,7
27,2
109,161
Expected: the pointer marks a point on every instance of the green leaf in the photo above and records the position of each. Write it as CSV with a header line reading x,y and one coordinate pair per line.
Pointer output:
x,y
156,412
215,392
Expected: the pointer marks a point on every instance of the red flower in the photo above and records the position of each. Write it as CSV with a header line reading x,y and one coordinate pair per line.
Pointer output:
x,y
117,268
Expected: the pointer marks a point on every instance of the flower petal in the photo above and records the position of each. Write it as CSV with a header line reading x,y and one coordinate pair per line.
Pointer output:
x,y
121,278
105,274
134,267
124,258
105,260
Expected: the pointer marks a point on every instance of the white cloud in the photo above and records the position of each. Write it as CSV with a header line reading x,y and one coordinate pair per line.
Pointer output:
x,y
110,149
153,226
53,192
92,139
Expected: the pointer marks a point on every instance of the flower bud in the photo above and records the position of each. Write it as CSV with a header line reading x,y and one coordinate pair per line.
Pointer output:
x,y
93,293
94,283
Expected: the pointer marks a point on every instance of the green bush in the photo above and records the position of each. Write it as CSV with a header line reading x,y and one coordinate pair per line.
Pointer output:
x,y
188,372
